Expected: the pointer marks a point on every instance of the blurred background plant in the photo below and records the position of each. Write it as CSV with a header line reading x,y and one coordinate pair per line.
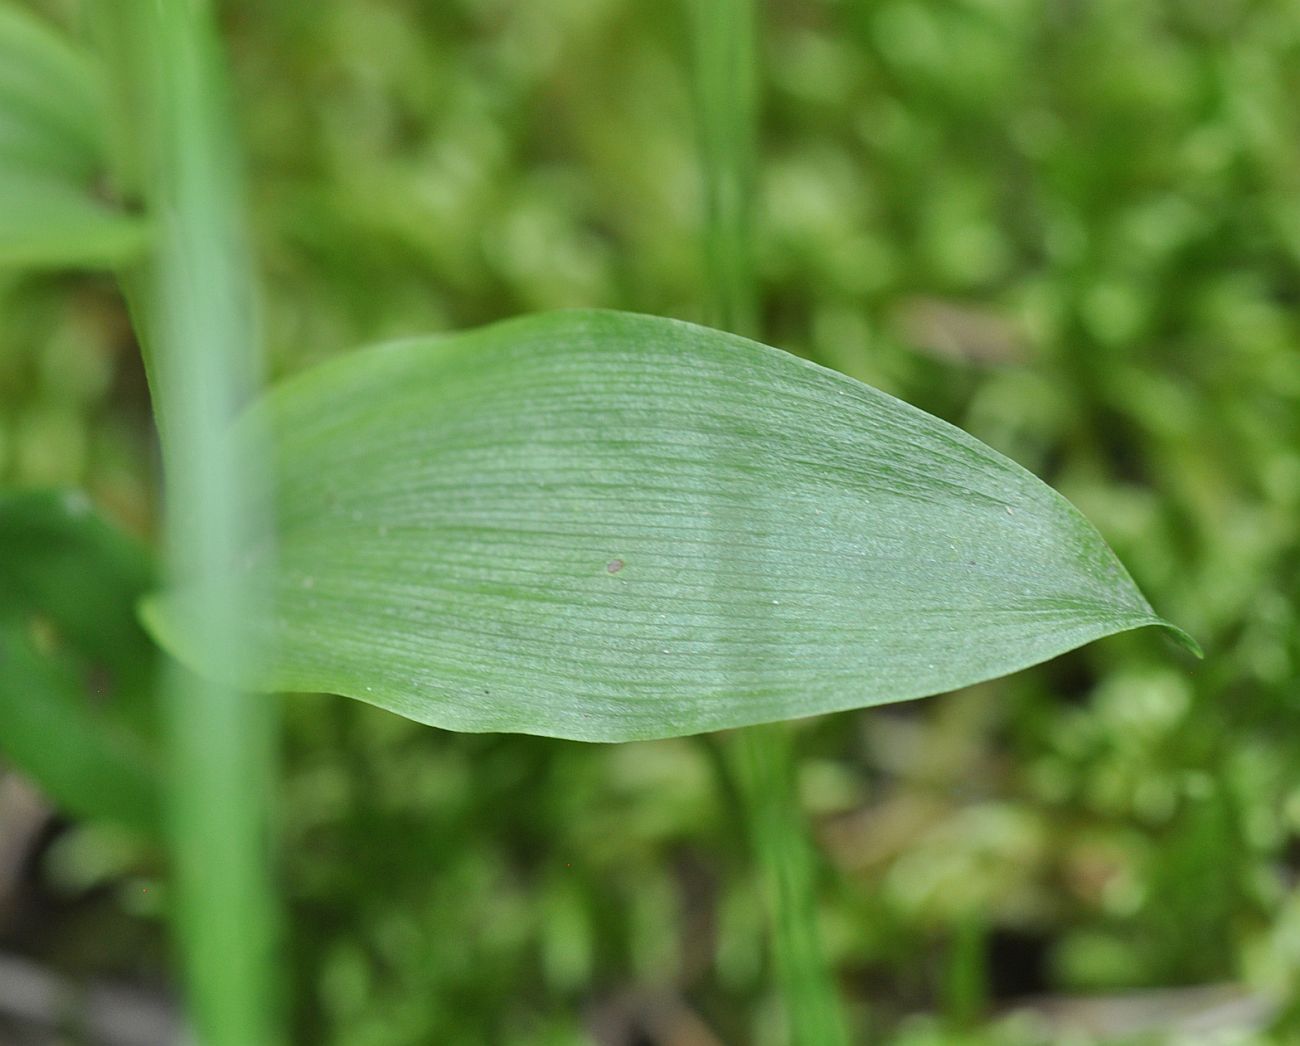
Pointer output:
x,y
1071,228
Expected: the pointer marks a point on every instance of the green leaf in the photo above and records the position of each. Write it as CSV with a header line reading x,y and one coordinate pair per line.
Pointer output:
x,y
48,223
52,153
50,93
604,526
87,764
75,668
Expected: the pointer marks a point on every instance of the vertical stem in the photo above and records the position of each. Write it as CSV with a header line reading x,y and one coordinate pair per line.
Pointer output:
x,y
965,982
726,105
724,36
194,301
764,764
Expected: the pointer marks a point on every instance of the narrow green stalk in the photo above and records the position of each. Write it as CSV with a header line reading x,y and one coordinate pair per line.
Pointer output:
x,y
724,35
763,762
194,302
726,105
965,982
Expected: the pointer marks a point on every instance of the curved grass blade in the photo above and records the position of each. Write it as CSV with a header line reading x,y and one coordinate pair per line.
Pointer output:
x,y
605,526
194,295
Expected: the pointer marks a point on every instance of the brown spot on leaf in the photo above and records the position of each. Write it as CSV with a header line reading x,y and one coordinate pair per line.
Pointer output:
x,y
99,683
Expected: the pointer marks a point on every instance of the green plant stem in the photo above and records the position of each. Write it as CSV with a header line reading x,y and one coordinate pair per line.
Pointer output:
x,y
193,300
764,766
724,37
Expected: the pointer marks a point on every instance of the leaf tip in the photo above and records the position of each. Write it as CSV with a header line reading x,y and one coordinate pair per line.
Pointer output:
x,y
1183,638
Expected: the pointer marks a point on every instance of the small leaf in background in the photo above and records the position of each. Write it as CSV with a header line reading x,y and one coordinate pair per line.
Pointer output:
x,y
75,669
50,94
46,222
52,153
605,526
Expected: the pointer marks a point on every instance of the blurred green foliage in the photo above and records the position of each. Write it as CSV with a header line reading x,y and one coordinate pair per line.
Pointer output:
x,y
1072,228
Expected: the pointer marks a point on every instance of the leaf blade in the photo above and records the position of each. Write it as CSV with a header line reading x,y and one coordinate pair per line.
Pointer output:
x,y
606,527
52,153
45,223
75,667
50,91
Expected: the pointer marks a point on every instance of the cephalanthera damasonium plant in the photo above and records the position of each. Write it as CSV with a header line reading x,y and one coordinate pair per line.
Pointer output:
x,y
589,524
